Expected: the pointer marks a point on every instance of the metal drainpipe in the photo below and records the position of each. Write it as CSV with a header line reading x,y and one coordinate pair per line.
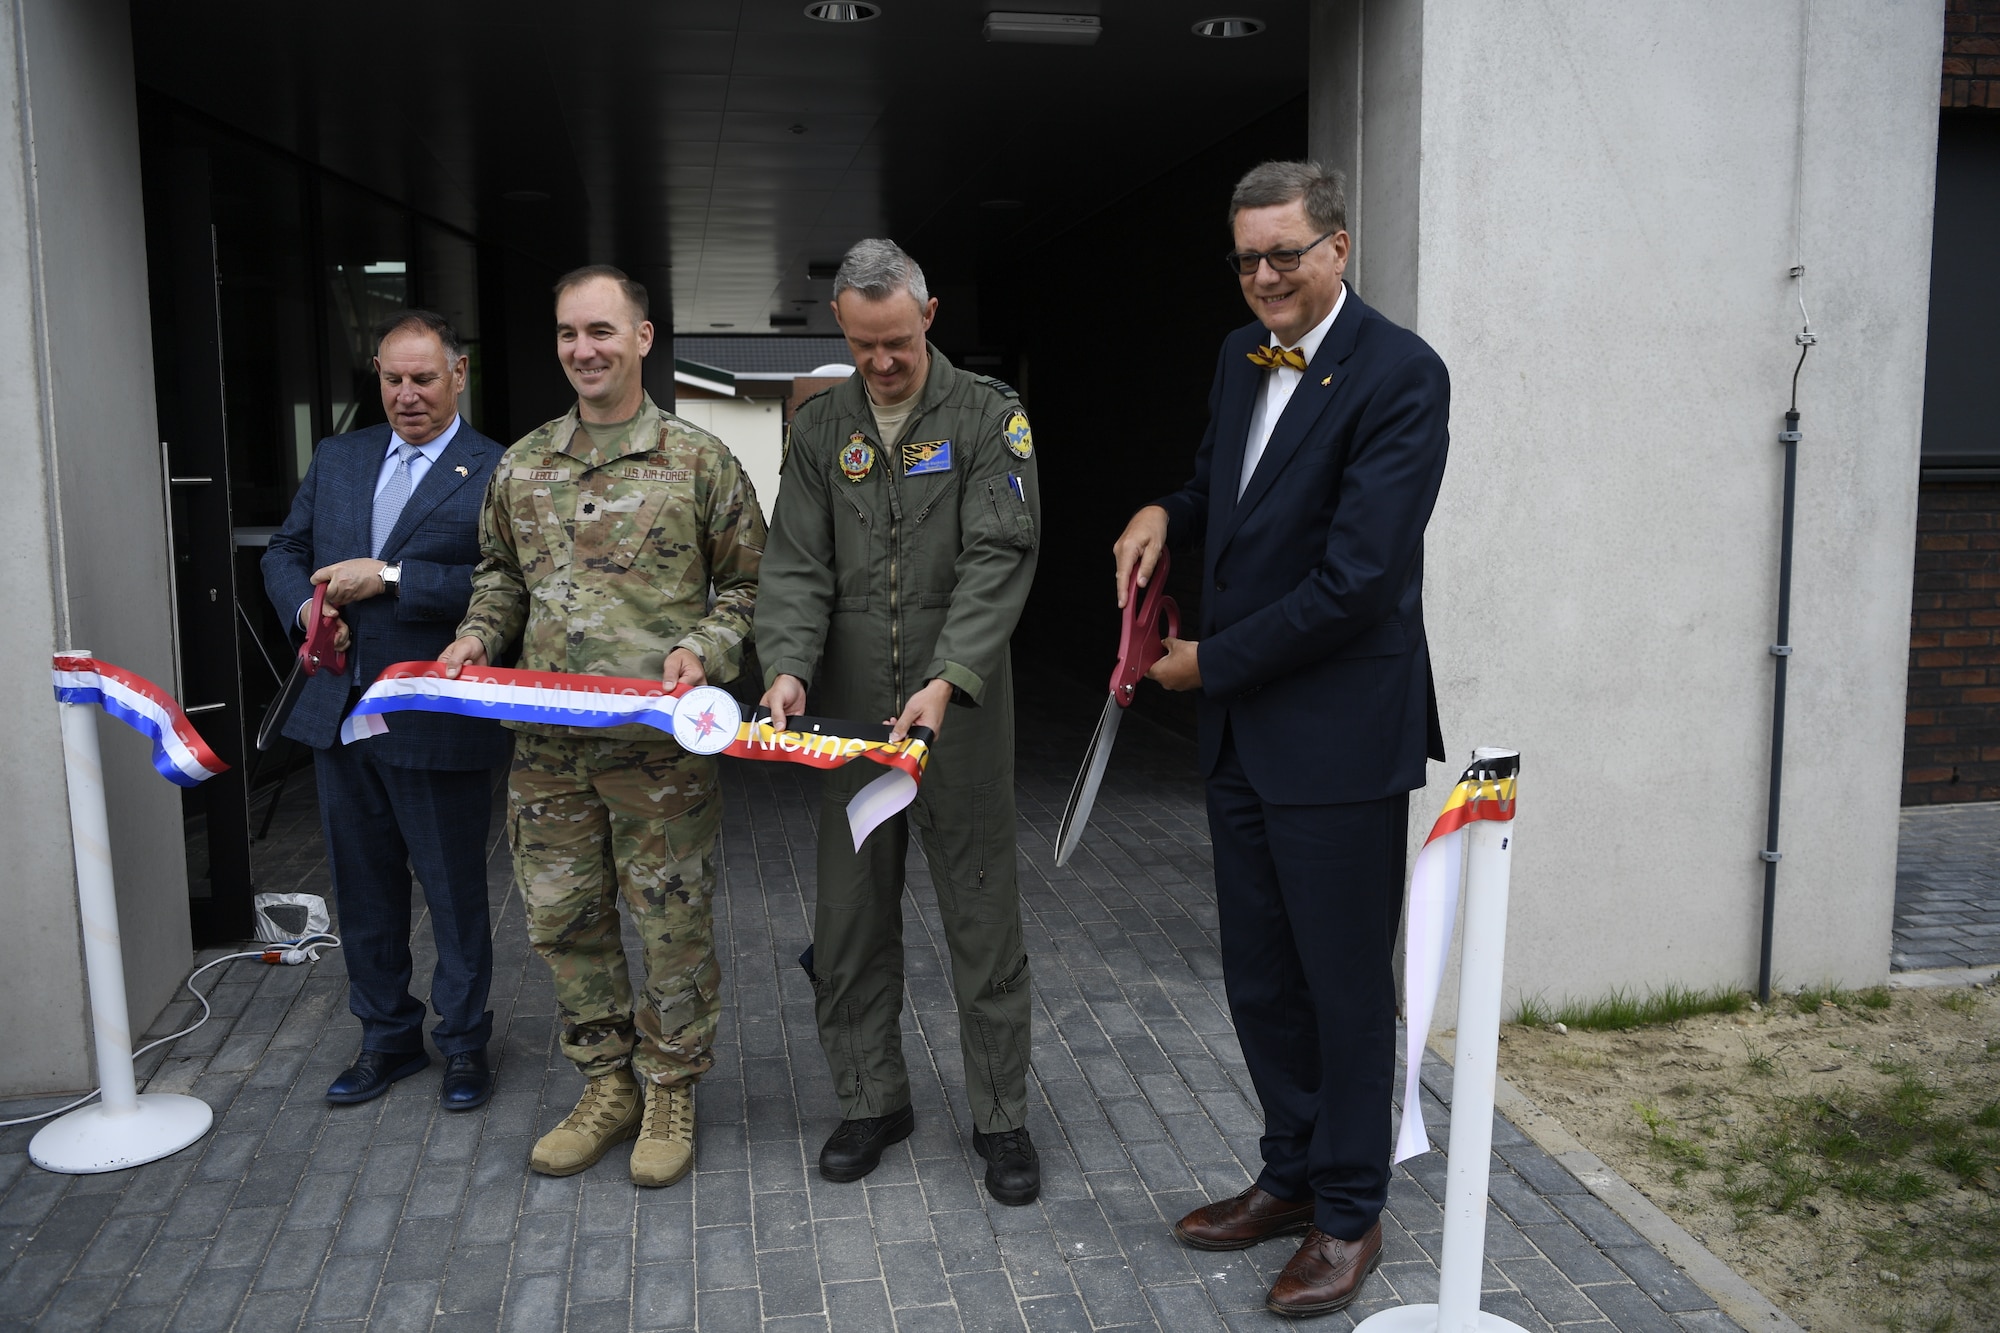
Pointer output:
x,y
1782,650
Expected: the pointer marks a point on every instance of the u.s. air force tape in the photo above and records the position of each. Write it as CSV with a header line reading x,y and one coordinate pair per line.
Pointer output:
x,y
704,719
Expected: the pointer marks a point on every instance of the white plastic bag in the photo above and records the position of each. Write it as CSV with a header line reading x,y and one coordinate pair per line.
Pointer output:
x,y
296,916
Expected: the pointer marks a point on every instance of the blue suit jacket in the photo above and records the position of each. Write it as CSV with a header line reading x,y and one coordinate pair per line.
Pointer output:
x,y
437,541
1312,630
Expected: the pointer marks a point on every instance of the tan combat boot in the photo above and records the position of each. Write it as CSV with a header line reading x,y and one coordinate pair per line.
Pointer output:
x,y
665,1149
608,1113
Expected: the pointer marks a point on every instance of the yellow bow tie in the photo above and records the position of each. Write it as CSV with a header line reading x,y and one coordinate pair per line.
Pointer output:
x,y
1271,357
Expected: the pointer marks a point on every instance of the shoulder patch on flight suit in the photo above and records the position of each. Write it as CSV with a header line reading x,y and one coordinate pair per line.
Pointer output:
x,y
1020,439
541,474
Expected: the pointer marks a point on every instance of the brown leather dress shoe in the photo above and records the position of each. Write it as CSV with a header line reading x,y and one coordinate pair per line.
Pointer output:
x,y
1325,1275
1239,1223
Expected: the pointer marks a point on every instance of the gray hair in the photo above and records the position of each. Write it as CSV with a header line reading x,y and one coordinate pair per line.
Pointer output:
x,y
1269,184
429,321
876,267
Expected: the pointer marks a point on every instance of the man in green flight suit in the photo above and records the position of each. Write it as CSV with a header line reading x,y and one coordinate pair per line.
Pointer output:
x,y
902,549
603,534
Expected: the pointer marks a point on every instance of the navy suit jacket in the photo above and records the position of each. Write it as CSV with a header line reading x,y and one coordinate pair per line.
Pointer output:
x,y
436,539
1312,644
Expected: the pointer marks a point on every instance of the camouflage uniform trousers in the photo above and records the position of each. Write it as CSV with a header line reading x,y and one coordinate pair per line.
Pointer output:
x,y
594,820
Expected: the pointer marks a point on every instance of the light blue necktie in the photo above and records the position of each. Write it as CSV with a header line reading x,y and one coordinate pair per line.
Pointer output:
x,y
394,495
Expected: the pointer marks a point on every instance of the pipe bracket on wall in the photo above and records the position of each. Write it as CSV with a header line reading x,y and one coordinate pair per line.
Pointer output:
x,y
1781,650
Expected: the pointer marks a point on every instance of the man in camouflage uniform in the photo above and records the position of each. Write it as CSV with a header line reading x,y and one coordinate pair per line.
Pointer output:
x,y
602,535
901,553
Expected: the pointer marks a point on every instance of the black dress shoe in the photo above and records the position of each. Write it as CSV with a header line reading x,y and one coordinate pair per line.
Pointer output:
x,y
1013,1167
856,1147
371,1074
468,1083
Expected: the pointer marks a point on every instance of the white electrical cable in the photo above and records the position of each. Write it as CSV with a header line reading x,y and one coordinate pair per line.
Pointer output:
x,y
305,949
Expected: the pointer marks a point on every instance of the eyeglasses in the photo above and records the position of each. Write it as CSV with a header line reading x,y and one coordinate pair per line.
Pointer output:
x,y
1243,263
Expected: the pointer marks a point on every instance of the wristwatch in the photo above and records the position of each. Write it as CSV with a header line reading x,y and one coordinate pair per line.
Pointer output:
x,y
392,579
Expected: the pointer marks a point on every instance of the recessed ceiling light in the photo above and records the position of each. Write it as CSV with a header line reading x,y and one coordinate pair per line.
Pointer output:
x,y
1047,29
840,13
1000,205
526,196
1229,27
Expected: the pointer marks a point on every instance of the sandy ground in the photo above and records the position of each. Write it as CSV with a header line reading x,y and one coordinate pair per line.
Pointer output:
x,y
1846,1161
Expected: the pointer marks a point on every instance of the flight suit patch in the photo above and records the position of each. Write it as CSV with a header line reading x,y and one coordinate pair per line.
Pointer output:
x,y
541,474
857,460
926,456
1020,440
637,472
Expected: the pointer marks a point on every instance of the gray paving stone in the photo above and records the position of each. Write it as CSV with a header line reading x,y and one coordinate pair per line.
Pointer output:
x,y
663,1296
391,1214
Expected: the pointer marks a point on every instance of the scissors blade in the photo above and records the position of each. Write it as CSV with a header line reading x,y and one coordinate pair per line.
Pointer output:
x,y
281,707
1082,796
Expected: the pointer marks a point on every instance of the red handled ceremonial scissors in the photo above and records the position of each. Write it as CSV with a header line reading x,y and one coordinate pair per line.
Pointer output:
x,y
315,653
1138,648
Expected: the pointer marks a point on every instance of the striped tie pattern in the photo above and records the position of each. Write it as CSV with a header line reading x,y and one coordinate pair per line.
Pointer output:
x,y
390,500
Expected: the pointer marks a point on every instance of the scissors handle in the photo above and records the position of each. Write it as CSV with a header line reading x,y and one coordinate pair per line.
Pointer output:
x,y
1140,633
318,650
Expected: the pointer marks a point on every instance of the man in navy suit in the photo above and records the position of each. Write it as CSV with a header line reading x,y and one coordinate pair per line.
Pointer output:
x,y
388,519
1325,447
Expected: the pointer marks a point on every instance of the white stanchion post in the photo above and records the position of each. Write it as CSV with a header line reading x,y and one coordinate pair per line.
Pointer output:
x,y
123,1129
1488,865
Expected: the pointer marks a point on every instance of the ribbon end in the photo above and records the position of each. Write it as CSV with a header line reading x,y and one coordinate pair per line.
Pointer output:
x,y
887,795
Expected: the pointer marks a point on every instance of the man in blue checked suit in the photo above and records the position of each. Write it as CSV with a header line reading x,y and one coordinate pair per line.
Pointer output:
x,y
388,519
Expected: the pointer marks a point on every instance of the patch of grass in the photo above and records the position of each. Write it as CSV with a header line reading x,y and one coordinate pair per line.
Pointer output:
x,y
1959,1001
1760,1064
1961,1160
1623,1009
1685,1153
1811,999
1987,1116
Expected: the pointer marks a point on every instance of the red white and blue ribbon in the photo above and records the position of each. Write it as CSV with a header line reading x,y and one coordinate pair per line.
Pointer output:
x,y
179,753
1484,791
704,719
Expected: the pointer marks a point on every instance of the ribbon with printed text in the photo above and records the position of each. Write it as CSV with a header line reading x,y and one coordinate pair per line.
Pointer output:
x,y
704,719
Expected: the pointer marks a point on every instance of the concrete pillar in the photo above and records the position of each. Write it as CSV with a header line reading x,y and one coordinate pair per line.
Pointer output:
x,y
1592,211
85,547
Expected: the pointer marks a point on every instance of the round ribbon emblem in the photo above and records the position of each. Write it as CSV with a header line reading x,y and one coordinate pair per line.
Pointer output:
x,y
706,720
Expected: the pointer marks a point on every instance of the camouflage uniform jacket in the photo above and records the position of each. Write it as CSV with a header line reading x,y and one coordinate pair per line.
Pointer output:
x,y
600,560
890,568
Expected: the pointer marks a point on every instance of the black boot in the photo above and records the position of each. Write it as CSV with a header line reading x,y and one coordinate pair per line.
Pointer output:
x,y
856,1147
1013,1168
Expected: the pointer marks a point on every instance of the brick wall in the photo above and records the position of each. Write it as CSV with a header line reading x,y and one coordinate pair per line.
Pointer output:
x,y
1951,739
1971,54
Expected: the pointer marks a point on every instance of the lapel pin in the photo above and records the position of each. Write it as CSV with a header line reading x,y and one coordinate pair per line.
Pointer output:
x,y
1322,384
461,472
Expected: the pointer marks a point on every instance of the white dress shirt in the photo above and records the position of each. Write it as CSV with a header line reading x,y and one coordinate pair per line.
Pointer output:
x,y
1279,381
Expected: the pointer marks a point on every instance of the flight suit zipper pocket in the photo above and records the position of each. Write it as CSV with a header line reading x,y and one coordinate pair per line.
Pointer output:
x,y
1009,502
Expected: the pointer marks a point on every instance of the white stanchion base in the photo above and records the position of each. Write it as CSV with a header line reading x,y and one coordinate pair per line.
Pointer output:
x,y
1424,1319
92,1139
